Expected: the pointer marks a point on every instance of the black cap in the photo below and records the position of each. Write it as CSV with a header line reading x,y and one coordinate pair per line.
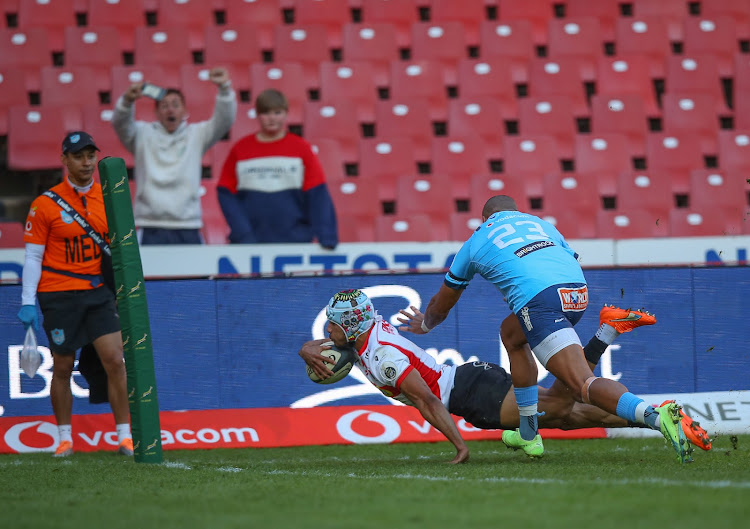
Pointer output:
x,y
76,141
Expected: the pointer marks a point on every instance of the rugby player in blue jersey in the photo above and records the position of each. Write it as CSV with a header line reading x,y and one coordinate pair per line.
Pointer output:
x,y
539,276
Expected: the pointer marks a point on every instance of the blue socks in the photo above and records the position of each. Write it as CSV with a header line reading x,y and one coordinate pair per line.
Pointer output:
x,y
635,409
527,399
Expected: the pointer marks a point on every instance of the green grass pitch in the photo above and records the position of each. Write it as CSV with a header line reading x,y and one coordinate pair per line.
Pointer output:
x,y
602,483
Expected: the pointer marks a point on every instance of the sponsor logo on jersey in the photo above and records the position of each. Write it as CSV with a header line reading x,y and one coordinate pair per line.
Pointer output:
x,y
574,299
526,319
523,251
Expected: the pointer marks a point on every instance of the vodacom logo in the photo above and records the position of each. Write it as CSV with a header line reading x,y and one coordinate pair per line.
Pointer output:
x,y
391,433
13,436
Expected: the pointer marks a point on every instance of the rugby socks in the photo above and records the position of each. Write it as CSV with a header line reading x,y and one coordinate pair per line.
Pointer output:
x,y
123,432
65,432
527,399
635,409
606,333
595,349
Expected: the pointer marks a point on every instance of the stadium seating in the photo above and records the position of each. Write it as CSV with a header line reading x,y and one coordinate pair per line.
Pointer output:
x,y
704,221
355,198
331,14
478,115
602,153
234,47
739,10
551,115
69,86
511,41
333,120
442,43
405,117
162,46
97,121
488,78
97,48
673,155
374,43
572,223
485,186
716,36
35,141
571,204
306,45
424,194
25,50
537,12
401,15
696,113
621,114
352,81
409,228
265,15
124,76
459,158
607,12
673,12
463,224
328,152
643,190
468,13
627,74
734,150
630,224
695,74
11,234
718,189
383,160
122,15
192,15
562,76
421,80
579,37
53,17
200,92
645,37
530,158
215,229
12,93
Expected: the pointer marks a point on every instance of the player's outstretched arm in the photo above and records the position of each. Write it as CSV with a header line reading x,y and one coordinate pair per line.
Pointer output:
x,y
432,409
311,351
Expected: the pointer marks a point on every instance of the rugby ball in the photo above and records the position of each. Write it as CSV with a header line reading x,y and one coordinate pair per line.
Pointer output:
x,y
345,360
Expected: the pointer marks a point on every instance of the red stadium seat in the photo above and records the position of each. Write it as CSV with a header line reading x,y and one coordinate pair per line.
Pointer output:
x,y
192,15
718,189
69,86
328,152
27,51
356,196
695,74
420,80
333,121
234,47
94,47
696,113
215,229
578,37
673,12
716,36
350,80
742,91
739,10
644,36
263,14
606,12
162,46
643,190
469,13
571,223
530,158
383,160
53,17
605,155
219,153
331,14
286,77
630,224
705,221
734,150
98,122
477,115
488,78
11,234
509,40
627,75
621,114
410,228
463,224
460,158
550,115
538,12
374,43
558,77
303,44
12,93
405,117
123,15
424,194
485,186
401,15
34,135
443,43
674,155
568,190
200,92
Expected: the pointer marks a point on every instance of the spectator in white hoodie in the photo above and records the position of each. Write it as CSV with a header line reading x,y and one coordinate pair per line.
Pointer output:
x,y
168,154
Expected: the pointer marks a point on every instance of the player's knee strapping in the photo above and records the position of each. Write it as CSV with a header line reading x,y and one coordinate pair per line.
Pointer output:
x,y
585,389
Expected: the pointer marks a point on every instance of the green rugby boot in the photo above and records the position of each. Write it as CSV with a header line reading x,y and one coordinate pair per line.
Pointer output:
x,y
671,429
534,448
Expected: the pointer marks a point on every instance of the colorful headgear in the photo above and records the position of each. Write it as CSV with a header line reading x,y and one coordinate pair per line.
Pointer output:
x,y
351,310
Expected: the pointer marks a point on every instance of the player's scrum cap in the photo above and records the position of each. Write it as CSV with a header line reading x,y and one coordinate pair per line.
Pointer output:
x,y
77,140
351,310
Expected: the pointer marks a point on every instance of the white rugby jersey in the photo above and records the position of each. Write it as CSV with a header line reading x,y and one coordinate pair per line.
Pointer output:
x,y
387,358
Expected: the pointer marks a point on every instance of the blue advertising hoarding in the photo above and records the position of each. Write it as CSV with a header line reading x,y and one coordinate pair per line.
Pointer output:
x,y
232,343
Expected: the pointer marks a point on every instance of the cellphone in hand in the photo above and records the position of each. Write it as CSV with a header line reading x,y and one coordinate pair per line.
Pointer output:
x,y
153,91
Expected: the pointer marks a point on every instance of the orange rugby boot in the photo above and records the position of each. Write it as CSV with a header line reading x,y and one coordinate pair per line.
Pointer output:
x,y
625,320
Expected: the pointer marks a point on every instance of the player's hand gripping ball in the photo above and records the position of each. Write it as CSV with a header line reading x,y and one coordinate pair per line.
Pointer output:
x,y
345,360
